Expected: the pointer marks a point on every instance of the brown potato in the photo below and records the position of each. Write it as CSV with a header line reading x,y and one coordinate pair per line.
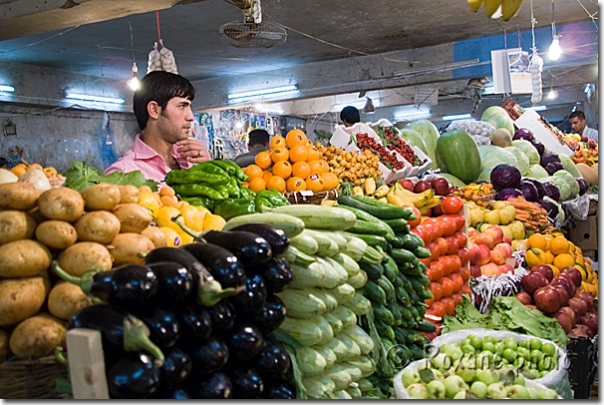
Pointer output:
x,y
101,196
129,194
133,217
97,226
65,299
156,236
18,196
15,225
56,234
4,348
84,256
23,258
37,336
63,204
37,215
20,299
126,247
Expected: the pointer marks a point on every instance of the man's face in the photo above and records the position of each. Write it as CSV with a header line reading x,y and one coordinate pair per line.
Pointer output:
x,y
174,121
578,125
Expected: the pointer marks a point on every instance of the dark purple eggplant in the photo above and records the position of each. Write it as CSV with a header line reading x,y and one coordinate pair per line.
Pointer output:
x,y
252,298
133,378
176,369
271,315
280,391
216,386
175,283
220,262
208,357
244,341
223,316
276,273
164,328
196,322
274,236
179,394
247,383
249,248
272,361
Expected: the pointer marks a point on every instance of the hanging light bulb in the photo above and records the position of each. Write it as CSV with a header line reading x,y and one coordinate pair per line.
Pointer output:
x,y
133,82
555,51
552,94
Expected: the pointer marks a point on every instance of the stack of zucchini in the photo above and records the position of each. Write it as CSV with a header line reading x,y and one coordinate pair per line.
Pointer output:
x,y
397,284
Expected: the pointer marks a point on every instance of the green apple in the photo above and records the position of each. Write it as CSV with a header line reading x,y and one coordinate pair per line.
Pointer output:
x,y
517,391
491,339
496,391
548,394
548,348
509,355
410,377
535,373
534,393
460,395
535,344
519,380
488,346
485,376
510,343
475,341
417,391
466,370
523,352
468,349
441,361
453,385
536,356
499,347
436,389
479,388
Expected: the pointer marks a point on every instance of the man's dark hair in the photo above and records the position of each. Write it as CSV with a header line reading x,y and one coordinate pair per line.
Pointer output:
x,y
3,162
160,87
350,114
258,137
577,114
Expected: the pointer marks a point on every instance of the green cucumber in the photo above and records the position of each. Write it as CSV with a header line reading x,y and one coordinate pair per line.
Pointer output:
x,y
383,314
371,240
398,225
425,326
358,281
387,287
403,256
422,253
410,242
392,307
384,330
374,272
375,293
390,268
376,208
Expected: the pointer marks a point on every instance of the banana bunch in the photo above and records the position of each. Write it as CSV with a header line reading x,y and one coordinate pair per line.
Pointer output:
x,y
508,8
400,196
371,189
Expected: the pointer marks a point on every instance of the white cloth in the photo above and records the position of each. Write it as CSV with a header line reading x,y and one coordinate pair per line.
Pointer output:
x,y
590,133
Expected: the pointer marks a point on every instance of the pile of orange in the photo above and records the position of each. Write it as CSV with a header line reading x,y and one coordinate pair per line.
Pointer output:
x,y
291,164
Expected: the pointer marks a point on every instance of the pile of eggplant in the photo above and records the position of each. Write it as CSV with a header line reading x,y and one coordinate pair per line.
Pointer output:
x,y
195,321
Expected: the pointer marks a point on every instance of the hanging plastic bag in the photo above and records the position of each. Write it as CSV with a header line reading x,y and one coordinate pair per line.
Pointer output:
x,y
154,61
168,63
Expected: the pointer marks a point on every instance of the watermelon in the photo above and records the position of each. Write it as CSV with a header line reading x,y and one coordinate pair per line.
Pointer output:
x,y
569,165
413,138
457,153
429,134
453,181
499,118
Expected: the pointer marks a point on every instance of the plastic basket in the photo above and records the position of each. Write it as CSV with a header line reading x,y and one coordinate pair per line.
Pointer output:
x,y
310,197
582,354
31,379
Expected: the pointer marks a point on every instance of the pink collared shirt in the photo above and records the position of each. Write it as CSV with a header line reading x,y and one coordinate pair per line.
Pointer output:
x,y
148,161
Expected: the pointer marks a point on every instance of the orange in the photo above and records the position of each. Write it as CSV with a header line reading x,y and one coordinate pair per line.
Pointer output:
x,y
266,175
555,270
537,241
34,166
257,185
167,191
571,247
331,181
279,154
254,172
296,184
301,169
548,239
564,260
309,143
578,251
295,137
559,245
315,183
315,167
325,165
298,153
282,169
277,142
276,183
313,154
549,257
263,159
19,170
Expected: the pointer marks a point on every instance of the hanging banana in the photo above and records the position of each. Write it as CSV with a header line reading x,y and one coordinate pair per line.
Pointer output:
x,y
475,5
509,8
491,6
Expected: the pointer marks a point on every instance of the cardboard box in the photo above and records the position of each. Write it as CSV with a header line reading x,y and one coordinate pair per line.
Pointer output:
x,y
585,233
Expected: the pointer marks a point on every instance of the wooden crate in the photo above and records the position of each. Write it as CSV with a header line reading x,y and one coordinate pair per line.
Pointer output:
x,y
31,379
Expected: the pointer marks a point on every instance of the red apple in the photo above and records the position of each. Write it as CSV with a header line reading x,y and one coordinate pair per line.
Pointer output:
x,y
437,211
505,268
566,282
484,239
547,299
575,275
473,233
440,186
421,185
592,310
584,138
590,320
587,297
563,295
496,232
576,312
490,270
473,253
525,298
407,184
475,271
485,254
578,303
533,281
564,321
545,270
531,306
505,248
506,240
581,331
571,314
498,256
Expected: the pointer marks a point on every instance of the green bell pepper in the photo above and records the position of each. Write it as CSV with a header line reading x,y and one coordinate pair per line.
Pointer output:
x,y
231,168
200,202
234,207
266,200
200,190
176,177
233,188
247,193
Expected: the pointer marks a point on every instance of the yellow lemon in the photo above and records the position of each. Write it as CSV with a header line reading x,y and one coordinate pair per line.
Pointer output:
x,y
172,237
564,260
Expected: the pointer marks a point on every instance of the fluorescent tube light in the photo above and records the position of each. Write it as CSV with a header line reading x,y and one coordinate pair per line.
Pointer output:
x,y
274,90
411,113
538,108
409,117
86,97
457,117
7,89
357,104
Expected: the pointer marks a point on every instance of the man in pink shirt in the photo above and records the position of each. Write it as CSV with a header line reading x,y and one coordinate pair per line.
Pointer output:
x,y
162,106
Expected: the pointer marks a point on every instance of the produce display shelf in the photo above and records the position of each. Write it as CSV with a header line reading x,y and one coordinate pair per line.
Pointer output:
x,y
32,379
583,356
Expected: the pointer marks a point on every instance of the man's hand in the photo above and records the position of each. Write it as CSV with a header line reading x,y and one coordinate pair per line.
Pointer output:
x,y
193,150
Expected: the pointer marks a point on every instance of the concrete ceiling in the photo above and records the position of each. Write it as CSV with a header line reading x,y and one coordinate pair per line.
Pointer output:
x,y
92,37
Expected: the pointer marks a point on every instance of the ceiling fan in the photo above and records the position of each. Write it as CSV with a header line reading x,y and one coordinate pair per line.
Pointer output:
x,y
252,32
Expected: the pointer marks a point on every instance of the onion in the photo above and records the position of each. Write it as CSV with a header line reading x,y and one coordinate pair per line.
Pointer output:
x,y
6,176
36,178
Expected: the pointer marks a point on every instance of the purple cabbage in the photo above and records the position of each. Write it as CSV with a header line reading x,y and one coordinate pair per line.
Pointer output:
x,y
539,146
505,176
537,184
550,207
525,134
529,191
583,186
549,157
552,191
508,193
553,167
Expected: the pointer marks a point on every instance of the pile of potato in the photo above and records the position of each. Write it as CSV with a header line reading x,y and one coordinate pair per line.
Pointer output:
x,y
100,228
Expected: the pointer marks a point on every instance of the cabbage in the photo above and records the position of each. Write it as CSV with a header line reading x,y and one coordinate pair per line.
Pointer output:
x,y
491,156
570,182
560,217
551,191
569,165
529,150
498,118
485,175
523,161
537,172
505,176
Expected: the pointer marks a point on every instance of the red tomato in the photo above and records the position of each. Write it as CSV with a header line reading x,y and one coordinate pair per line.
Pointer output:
x,y
447,265
434,249
437,271
447,284
466,289
437,227
419,231
418,217
457,282
462,239
457,298
448,224
449,305
438,308
452,205
443,245
452,244
465,274
464,256
461,221
455,263
428,231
